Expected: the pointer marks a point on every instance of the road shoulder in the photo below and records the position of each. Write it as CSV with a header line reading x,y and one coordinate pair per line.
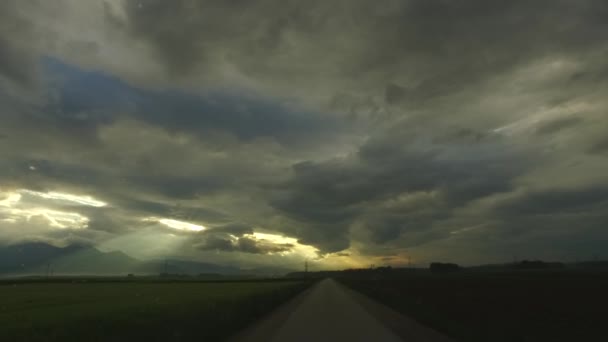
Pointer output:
x,y
404,327
266,327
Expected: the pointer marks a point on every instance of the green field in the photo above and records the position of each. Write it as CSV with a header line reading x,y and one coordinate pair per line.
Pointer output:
x,y
122,311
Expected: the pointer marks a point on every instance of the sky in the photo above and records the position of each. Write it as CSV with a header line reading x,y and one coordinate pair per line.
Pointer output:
x,y
346,133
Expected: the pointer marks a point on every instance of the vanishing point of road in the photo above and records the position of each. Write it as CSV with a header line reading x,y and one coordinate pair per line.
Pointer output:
x,y
331,312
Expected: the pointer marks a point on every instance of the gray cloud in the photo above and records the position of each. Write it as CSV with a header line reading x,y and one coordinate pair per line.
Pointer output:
x,y
16,56
599,147
558,125
555,201
237,229
328,197
430,48
445,128
249,245
14,63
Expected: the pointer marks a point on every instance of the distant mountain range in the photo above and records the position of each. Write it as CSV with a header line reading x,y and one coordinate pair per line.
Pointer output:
x,y
42,259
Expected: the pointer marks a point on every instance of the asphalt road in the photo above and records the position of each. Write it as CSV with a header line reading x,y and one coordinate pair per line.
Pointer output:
x,y
330,312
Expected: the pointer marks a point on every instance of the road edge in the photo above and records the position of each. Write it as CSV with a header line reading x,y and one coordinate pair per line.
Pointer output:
x,y
403,326
265,328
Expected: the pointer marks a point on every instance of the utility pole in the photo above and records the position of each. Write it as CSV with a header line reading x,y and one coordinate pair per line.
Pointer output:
x,y
48,270
305,266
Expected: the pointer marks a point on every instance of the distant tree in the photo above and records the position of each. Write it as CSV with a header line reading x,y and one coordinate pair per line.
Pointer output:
x,y
440,267
384,269
536,264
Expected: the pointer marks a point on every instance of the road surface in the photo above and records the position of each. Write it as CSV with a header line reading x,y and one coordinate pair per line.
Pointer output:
x,y
330,312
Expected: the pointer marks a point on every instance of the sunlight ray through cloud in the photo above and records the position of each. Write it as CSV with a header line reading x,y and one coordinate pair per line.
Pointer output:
x,y
14,210
64,197
176,224
145,244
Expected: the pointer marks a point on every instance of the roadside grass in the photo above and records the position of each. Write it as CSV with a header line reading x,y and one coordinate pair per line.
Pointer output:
x,y
518,306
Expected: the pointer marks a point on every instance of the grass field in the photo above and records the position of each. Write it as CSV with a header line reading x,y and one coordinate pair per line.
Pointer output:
x,y
503,306
127,311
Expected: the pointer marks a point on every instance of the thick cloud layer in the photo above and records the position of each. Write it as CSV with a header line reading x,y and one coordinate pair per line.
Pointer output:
x,y
350,132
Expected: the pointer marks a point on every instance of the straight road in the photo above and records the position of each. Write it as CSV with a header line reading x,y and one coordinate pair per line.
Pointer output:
x,y
330,312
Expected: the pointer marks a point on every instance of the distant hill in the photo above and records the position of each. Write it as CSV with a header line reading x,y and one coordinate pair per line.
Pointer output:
x,y
34,258
16,258
38,258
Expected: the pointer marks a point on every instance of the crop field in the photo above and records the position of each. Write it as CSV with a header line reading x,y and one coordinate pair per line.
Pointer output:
x,y
480,306
126,311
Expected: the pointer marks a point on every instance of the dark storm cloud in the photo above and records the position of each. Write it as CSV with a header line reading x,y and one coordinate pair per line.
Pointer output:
x,y
394,94
407,218
17,61
42,174
328,197
247,119
108,220
558,125
439,45
249,245
141,205
600,146
461,135
221,242
216,243
178,188
237,229
169,208
442,126
556,201
47,175
87,99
